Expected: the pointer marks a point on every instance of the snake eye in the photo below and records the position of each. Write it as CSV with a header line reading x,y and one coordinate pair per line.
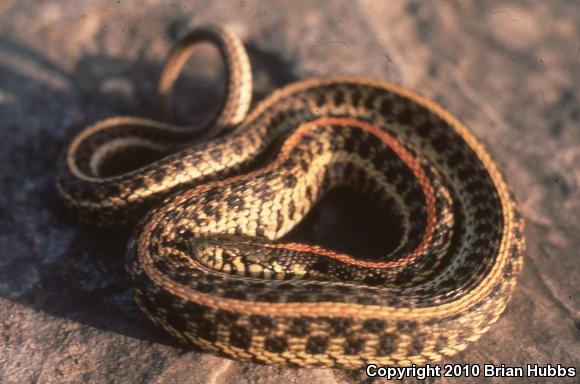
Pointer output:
x,y
228,255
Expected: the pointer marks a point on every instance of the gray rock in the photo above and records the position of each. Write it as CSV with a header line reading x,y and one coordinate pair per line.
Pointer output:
x,y
510,71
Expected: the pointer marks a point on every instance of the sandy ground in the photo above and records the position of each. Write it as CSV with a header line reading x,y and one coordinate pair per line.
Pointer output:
x,y
509,69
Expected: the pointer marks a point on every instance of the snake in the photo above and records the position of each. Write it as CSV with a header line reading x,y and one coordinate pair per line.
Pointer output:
x,y
212,202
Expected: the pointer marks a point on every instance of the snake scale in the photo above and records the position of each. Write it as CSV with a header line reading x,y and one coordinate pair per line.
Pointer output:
x,y
207,262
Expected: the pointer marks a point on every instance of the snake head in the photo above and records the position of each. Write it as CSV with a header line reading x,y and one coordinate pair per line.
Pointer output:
x,y
245,256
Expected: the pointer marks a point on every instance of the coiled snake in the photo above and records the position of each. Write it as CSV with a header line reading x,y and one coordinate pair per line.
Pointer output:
x,y
206,261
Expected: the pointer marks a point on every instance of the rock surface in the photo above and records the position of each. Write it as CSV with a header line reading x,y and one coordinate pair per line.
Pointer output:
x,y
510,70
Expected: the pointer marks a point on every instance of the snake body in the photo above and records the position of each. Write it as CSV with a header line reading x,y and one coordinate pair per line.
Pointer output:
x,y
207,263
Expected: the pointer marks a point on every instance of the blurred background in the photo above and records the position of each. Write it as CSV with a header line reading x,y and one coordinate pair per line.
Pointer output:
x,y
509,69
